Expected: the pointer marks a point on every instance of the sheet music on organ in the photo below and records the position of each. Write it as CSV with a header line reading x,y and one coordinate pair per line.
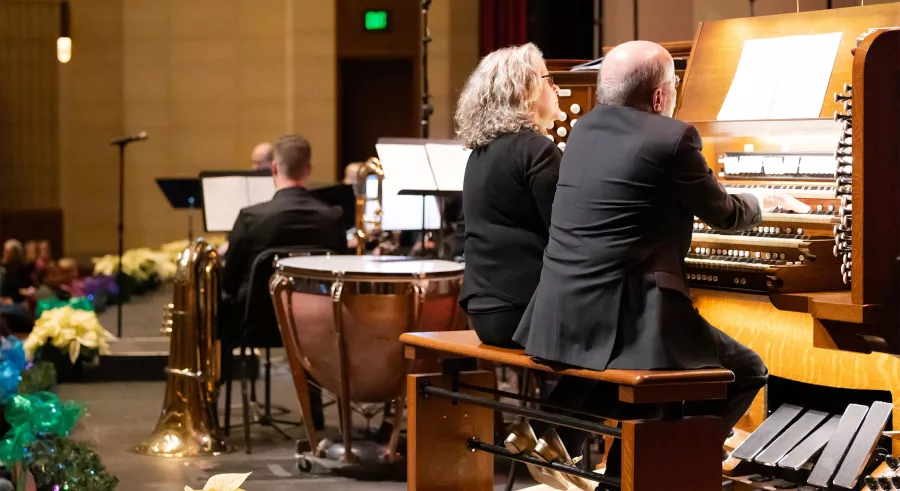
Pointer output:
x,y
781,78
224,196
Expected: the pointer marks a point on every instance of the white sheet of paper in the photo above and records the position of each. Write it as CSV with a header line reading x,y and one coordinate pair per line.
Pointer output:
x,y
223,198
406,166
448,163
260,189
781,78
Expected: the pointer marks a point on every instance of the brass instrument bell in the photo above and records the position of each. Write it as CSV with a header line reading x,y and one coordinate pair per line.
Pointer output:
x,y
367,228
188,425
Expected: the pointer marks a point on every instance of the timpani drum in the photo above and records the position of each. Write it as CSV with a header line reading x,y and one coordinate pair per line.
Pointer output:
x,y
341,318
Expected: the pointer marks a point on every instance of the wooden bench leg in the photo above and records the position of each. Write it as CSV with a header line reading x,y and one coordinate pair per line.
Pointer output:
x,y
437,431
675,455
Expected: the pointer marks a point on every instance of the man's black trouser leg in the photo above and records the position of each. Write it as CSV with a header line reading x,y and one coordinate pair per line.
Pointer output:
x,y
750,376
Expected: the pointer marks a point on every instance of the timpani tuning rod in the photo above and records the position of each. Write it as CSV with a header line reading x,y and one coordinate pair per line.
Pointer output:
x,y
842,239
846,118
843,180
841,97
848,88
842,248
840,154
848,107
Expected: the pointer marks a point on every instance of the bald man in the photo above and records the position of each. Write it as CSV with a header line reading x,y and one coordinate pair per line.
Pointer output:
x,y
612,292
261,157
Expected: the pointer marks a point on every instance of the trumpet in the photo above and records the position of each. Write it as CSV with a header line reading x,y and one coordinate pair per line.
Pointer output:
x,y
367,228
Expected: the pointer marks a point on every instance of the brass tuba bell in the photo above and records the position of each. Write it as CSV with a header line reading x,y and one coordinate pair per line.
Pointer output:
x,y
189,425
367,228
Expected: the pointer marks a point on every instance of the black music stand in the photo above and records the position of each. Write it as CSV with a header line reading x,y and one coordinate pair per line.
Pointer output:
x,y
183,194
440,195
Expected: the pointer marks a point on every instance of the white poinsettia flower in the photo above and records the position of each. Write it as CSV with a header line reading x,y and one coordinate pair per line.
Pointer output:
x,y
223,482
69,330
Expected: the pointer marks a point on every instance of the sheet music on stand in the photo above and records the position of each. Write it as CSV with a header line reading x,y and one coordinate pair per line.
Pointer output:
x,y
225,193
448,160
425,170
405,164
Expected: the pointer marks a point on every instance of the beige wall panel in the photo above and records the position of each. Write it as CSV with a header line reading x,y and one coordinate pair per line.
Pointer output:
x,y
29,137
451,58
90,91
311,81
666,20
199,19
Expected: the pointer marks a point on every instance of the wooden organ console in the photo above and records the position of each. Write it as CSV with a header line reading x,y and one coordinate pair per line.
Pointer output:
x,y
816,294
578,88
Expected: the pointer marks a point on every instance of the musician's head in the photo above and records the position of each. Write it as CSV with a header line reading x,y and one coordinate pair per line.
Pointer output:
x,y
261,157
638,74
13,253
510,90
292,161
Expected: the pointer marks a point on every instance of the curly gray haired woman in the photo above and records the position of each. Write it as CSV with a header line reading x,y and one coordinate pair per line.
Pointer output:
x,y
506,93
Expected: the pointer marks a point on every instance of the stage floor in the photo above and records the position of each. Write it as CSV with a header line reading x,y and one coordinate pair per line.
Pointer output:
x,y
120,414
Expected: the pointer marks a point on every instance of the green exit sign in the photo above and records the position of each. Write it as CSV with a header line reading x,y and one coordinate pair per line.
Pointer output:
x,y
376,20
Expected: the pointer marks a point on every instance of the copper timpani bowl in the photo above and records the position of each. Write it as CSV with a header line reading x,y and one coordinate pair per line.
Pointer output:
x,y
345,314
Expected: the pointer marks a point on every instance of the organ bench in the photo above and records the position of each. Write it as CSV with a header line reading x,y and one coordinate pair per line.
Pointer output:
x,y
451,424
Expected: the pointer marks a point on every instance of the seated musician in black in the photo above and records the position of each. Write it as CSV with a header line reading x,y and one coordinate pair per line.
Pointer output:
x,y
293,218
508,187
612,293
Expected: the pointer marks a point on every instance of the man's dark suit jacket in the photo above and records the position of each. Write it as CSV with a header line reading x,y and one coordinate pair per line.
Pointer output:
x,y
293,218
612,292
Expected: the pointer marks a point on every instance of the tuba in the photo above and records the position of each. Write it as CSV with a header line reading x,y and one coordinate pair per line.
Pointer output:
x,y
367,228
189,425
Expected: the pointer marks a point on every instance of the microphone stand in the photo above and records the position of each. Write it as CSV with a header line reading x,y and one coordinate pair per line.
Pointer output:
x,y
120,275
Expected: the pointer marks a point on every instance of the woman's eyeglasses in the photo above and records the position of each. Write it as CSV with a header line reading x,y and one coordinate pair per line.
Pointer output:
x,y
549,78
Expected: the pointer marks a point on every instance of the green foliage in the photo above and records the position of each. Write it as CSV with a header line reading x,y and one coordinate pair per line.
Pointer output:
x,y
40,377
70,464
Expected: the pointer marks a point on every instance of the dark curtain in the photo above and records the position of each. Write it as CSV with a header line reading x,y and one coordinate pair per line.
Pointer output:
x,y
503,23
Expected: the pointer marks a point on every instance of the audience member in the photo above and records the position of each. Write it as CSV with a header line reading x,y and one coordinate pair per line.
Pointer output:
x,y
16,282
70,281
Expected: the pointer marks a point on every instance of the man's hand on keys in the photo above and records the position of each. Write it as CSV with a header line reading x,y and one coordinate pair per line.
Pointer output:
x,y
771,200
